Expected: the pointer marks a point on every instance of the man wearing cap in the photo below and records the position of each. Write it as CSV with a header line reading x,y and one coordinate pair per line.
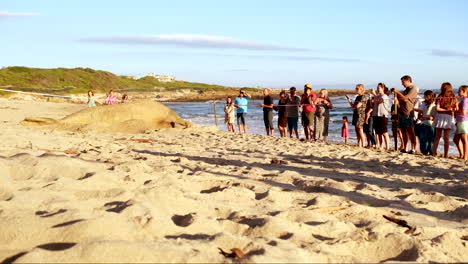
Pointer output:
x,y
241,103
308,111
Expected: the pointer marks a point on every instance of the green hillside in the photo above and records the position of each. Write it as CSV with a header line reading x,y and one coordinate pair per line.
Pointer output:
x,y
80,80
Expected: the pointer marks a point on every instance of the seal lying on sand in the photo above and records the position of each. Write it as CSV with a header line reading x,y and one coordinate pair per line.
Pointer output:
x,y
135,117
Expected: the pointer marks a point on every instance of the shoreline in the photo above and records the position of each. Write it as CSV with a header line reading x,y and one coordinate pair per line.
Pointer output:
x,y
180,95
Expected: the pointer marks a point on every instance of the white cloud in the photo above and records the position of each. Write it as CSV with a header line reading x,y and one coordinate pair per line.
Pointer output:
x,y
191,41
448,53
4,14
248,56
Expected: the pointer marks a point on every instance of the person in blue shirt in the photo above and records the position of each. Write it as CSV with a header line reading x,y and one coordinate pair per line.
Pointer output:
x,y
241,103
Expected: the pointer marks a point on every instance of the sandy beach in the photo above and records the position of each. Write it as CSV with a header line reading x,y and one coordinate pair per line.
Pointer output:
x,y
177,195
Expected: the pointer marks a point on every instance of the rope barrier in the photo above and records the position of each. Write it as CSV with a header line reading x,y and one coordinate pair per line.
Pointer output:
x,y
43,94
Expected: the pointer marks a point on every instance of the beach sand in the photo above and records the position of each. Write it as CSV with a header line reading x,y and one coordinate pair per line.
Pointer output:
x,y
177,195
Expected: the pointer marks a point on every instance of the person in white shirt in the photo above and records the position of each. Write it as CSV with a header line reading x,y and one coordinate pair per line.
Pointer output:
x,y
380,112
426,112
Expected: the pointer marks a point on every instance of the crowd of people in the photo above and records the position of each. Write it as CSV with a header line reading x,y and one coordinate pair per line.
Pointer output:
x,y
428,120
110,99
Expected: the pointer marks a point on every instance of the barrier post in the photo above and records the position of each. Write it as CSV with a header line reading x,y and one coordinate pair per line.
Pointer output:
x,y
215,115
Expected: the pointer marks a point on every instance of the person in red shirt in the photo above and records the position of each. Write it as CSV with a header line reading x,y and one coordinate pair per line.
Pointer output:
x,y
308,111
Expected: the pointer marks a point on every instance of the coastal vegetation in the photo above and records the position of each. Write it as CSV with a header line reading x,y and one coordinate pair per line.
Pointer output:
x,y
64,81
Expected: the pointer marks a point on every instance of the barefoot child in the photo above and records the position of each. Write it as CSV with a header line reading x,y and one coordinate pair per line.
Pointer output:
x,y
426,114
124,99
111,99
461,134
230,115
344,130
91,100
446,105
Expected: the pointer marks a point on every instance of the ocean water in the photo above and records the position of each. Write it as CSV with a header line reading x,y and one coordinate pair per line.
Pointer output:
x,y
202,113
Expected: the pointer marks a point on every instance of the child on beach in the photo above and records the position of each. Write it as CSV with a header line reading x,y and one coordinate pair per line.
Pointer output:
x,y
344,130
111,99
230,115
124,99
91,100
426,115
461,134
446,105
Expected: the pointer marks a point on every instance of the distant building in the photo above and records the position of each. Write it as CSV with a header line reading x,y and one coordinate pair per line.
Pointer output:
x,y
130,77
162,78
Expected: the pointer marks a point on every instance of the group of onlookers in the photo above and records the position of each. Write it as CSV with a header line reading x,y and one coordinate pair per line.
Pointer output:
x,y
315,114
412,119
110,99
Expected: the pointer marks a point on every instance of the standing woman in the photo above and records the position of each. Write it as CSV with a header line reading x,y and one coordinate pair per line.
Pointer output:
x,y
446,105
282,118
359,113
322,115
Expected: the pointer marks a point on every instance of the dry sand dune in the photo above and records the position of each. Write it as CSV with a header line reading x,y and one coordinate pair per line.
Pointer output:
x,y
179,195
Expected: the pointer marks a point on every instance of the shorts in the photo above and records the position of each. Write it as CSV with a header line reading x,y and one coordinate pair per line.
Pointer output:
x,y
405,121
282,121
307,119
380,124
268,119
241,118
462,128
292,122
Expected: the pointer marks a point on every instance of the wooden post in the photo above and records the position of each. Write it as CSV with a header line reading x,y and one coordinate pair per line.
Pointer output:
x,y
214,110
395,101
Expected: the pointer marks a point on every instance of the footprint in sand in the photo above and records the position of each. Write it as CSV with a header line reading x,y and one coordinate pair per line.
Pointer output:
x,y
322,238
86,176
68,223
59,246
118,206
214,189
183,220
193,237
56,246
45,214
252,222
314,223
286,236
260,196
14,257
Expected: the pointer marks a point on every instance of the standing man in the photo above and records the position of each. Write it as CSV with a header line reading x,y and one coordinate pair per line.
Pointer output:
x,y
308,111
406,101
268,112
292,111
241,103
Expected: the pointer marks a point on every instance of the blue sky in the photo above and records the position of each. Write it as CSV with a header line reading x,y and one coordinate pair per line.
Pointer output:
x,y
332,44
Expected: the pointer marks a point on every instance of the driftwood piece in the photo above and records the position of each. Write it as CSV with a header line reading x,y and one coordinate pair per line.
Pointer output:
x,y
402,223
235,253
